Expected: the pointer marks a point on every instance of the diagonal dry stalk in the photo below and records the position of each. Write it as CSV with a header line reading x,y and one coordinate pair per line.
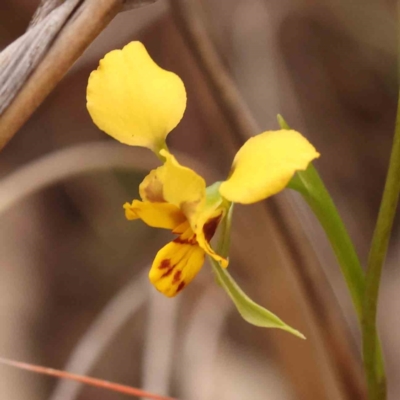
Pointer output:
x,y
312,286
99,383
32,66
44,9
100,333
19,59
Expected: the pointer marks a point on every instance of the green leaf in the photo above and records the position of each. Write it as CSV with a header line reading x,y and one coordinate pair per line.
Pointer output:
x,y
248,309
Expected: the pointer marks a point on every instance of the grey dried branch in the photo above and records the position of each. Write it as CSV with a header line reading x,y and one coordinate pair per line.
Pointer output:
x,y
19,59
313,289
44,9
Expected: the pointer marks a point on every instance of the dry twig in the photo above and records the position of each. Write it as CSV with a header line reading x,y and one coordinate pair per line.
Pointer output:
x,y
19,59
115,387
100,333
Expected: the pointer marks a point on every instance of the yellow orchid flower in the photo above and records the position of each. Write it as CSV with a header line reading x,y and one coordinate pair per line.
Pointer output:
x,y
175,197
138,103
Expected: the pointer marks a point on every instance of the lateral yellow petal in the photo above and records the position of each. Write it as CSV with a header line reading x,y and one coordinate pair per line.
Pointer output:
x,y
157,215
183,187
204,233
207,220
264,165
176,265
134,100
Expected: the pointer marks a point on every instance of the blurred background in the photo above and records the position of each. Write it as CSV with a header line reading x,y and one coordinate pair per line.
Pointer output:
x,y
74,291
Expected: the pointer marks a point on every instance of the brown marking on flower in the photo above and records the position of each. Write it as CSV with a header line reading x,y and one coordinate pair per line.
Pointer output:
x,y
191,241
181,286
168,272
153,196
177,277
151,188
210,227
165,264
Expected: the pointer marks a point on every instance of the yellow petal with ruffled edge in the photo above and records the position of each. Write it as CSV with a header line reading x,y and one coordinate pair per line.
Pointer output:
x,y
176,264
134,100
265,164
157,215
183,187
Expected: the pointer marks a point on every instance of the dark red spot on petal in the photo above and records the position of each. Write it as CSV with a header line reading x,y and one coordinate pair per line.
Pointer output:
x,y
177,276
192,241
210,227
168,272
181,286
165,264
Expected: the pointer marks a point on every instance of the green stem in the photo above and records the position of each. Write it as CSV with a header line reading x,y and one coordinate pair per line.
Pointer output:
x,y
380,241
312,188
377,255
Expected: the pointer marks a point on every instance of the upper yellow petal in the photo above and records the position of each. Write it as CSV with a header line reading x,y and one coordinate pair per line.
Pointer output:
x,y
265,164
183,187
134,100
176,264
157,215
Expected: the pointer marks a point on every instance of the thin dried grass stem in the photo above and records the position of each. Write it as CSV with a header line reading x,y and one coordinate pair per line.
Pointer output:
x,y
159,348
115,387
100,333
67,163
200,342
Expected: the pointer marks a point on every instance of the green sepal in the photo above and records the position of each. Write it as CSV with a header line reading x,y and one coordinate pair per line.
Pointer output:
x,y
250,311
